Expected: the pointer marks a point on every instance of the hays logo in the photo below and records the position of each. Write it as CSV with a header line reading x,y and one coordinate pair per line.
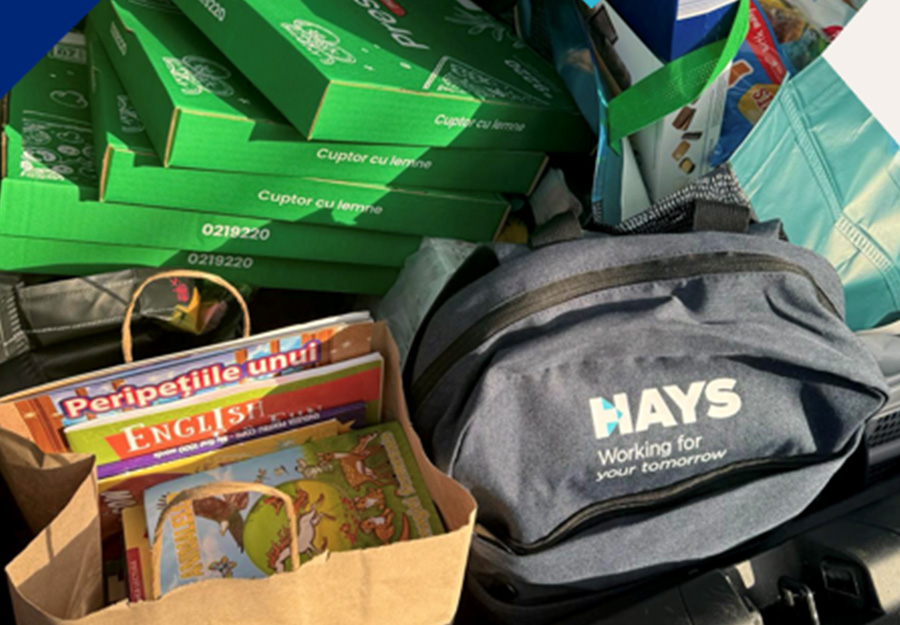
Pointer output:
x,y
655,407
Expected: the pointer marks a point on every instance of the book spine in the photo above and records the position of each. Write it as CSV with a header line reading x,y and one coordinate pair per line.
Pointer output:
x,y
44,423
137,553
134,574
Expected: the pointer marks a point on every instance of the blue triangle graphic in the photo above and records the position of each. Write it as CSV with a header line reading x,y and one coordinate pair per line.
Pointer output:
x,y
611,427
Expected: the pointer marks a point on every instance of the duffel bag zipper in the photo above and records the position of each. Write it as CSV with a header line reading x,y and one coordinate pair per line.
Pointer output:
x,y
544,298
718,480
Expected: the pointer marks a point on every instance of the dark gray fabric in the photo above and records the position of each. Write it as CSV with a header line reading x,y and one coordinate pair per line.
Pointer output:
x,y
638,390
673,214
560,229
53,312
13,340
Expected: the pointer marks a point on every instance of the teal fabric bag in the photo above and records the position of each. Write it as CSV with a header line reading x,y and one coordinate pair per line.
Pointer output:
x,y
824,161
821,163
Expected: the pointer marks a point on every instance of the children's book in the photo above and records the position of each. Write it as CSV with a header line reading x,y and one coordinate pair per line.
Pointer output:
x,y
357,490
352,415
163,381
120,492
252,405
137,553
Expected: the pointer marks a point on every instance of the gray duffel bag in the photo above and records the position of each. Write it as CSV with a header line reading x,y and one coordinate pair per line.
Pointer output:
x,y
625,405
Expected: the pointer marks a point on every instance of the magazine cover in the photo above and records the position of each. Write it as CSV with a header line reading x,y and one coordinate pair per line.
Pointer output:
x,y
253,405
162,381
357,490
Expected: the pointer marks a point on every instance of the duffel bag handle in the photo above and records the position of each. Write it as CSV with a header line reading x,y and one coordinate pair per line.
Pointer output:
x,y
698,215
127,342
219,489
677,84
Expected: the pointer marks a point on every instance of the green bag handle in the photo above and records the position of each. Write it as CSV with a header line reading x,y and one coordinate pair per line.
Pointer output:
x,y
677,84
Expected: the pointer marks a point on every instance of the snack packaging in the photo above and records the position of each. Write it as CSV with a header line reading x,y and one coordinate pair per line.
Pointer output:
x,y
756,74
801,40
674,151
673,28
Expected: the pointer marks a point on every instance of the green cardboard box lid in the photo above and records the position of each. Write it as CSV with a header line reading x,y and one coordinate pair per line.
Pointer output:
x,y
49,189
62,211
51,112
438,72
166,66
131,173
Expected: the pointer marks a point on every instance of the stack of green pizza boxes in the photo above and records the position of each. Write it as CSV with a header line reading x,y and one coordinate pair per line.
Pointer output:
x,y
52,219
314,150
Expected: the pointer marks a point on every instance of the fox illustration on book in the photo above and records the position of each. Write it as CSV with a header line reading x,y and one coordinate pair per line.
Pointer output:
x,y
372,499
353,464
383,527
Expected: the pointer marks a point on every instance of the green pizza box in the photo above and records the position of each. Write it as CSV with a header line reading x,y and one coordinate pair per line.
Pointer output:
x,y
49,189
418,72
49,110
74,258
68,212
131,173
201,113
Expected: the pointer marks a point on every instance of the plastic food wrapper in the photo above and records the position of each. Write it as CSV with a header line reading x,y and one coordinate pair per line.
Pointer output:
x,y
755,76
804,28
801,41
785,36
423,277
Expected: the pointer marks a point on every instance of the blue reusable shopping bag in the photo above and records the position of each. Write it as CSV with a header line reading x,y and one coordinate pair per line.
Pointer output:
x,y
821,162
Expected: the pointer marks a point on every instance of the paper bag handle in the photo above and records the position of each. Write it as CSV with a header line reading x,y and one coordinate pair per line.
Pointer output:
x,y
216,489
127,344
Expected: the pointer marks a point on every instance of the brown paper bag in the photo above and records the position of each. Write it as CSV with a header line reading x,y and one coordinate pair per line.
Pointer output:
x,y
58,579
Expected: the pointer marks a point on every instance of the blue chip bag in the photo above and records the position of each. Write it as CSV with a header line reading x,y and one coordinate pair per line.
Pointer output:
x,y
756,74
802,41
